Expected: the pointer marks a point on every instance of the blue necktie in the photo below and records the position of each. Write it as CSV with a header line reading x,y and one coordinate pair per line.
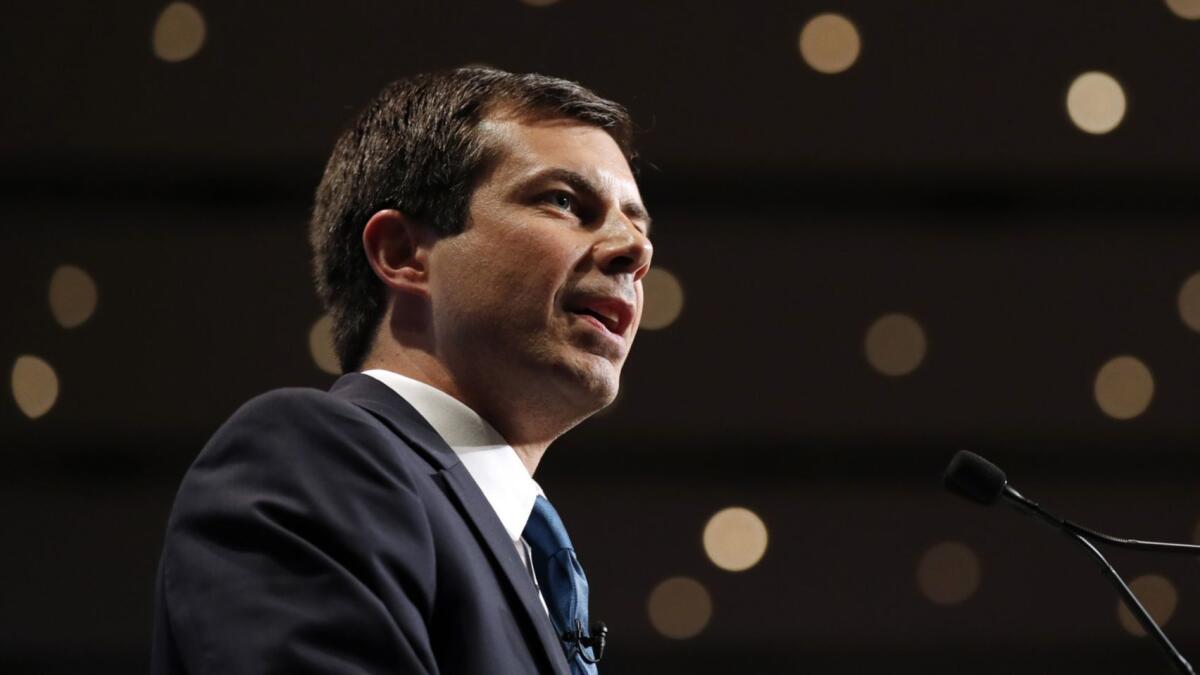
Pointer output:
x,y
563,584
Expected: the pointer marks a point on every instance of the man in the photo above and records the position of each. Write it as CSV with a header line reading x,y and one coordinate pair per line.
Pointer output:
x,y
480,242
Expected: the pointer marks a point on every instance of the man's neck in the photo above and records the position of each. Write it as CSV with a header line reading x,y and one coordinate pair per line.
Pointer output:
x,y
428,371
531,455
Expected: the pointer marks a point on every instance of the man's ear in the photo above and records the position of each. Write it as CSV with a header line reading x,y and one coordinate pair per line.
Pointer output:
x,y
398,250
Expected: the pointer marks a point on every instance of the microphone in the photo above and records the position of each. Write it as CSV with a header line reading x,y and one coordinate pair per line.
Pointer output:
x,y
598,640
974,478
970,476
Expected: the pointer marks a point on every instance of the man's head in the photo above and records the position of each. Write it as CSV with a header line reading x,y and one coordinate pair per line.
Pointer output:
x,y
418,148
500,213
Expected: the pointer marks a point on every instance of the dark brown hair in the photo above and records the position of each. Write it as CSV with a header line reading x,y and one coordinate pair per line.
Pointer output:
x,y
416,148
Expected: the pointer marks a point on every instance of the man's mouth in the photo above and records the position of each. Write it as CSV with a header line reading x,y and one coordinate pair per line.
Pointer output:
x,y
614,314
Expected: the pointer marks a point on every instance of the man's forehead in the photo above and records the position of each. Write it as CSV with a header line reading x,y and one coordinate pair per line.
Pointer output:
x,y
527,148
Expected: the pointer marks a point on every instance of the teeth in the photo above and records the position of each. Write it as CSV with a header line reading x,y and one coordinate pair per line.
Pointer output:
x,y
604,318
609,320
606,315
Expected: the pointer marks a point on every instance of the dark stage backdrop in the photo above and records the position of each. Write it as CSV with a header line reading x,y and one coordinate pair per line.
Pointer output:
x,y
883,231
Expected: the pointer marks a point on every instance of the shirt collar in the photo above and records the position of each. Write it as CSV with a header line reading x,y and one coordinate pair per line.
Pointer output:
x,y
491,461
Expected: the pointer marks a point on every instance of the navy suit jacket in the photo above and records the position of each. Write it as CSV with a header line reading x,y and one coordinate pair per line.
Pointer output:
x,y
336,532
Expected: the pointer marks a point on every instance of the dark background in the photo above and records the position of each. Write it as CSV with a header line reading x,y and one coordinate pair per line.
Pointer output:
x,y
940,176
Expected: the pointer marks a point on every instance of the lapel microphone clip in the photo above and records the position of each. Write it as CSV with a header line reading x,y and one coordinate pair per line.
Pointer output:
x,y
597,640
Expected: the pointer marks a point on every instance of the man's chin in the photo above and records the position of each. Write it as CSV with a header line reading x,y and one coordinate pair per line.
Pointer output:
x,y
594,381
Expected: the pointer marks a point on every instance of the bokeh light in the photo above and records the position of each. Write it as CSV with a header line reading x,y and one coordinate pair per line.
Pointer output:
x,y
679,608
73,296
663,299
1096,102
829,43
1189,302
1185,9
34,386
948,573
1124,387
735,539
895,344
178,33
320,346
1157,594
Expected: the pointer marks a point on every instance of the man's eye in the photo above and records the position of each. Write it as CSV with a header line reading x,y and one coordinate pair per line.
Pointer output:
x,y
563,200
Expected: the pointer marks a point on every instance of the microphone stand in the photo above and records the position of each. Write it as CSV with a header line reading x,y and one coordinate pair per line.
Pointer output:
x,y
1082,535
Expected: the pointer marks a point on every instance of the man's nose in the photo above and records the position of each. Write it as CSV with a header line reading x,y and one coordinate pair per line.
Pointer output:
x,y
623,249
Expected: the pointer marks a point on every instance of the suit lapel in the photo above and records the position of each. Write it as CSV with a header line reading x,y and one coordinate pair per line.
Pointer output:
x,y
503,553
376,397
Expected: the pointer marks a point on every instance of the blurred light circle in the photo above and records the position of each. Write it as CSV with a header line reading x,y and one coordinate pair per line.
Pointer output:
x,y
1124,387
1157,594
178,32
679,608
663,299
320,346
1186,9
895,344
735,539
1189,302
948,573
1096,102
34,386
72,296
829,43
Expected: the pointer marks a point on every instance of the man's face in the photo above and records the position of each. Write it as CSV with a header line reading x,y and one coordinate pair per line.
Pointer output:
x,y
537,302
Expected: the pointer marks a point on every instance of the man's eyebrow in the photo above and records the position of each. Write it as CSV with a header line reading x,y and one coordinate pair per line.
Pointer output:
x,y
580,183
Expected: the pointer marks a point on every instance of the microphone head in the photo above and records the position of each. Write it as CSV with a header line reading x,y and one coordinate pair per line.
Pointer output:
x,y
973,477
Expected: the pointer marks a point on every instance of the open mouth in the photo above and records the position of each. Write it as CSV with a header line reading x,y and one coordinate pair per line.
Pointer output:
x,y
612,313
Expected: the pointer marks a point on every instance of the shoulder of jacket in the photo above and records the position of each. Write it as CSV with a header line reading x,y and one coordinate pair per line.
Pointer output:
x,y
326,429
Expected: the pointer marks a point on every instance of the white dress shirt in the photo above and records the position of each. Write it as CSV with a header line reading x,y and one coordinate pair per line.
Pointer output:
x,y
491,461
